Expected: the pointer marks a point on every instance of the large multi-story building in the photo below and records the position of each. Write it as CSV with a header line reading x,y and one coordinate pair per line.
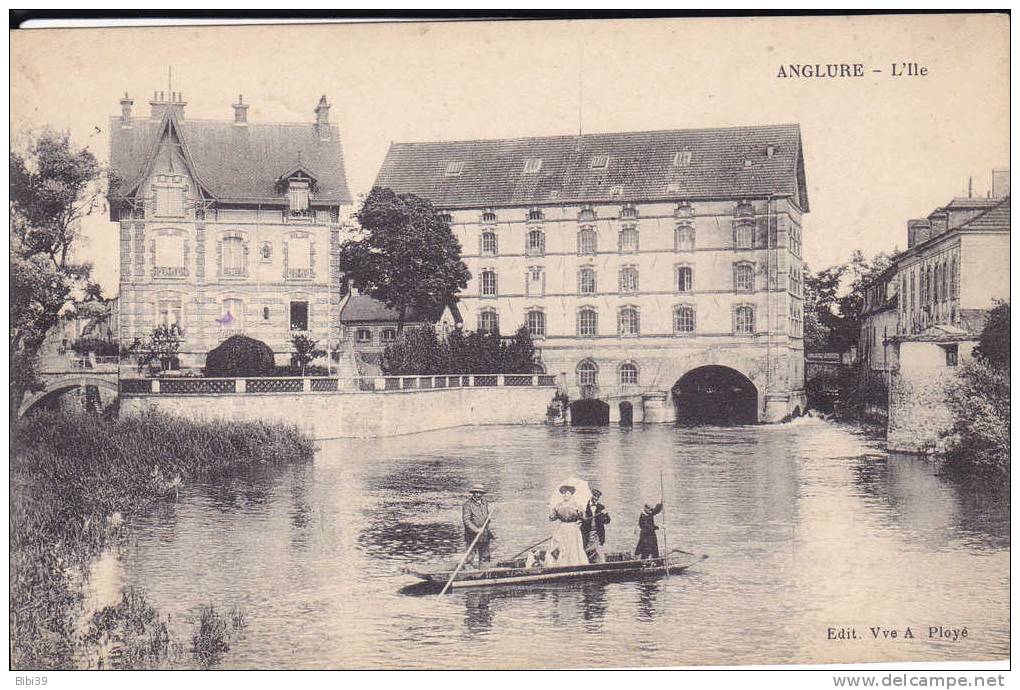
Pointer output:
x,y
227,226
660,272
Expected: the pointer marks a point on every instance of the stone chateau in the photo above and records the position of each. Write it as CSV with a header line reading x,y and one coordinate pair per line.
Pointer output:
x,y
227,226
659,272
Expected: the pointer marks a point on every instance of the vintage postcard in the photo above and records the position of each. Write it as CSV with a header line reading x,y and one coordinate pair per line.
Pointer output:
x,y
575,344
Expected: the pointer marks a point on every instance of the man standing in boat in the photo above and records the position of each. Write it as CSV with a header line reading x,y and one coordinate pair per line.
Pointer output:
x,y
476,512
593,527
648,542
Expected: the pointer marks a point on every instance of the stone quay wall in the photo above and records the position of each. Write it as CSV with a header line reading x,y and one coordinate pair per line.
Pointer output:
x,y
328,408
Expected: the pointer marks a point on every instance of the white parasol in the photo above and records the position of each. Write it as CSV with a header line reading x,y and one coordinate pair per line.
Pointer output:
x,y
582,493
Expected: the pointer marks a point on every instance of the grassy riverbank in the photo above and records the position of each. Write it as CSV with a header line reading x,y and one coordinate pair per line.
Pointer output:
x,y
73,479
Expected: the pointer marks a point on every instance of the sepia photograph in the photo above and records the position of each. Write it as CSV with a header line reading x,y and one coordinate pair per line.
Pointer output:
x,y
623,343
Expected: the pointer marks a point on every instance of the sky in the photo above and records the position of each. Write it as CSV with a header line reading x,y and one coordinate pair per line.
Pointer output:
x,y
878,149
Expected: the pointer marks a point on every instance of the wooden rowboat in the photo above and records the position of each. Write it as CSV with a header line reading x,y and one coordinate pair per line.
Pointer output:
x,y
621,565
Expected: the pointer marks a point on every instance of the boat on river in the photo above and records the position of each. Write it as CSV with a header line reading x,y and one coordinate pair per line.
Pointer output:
x,y
619,565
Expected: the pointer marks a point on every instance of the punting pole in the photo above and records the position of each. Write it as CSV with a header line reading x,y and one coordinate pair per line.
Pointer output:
x,y
665,543
467,553
537,543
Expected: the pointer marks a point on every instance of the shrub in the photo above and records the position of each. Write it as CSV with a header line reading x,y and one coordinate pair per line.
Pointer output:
x,y
240,355
978,441
420,351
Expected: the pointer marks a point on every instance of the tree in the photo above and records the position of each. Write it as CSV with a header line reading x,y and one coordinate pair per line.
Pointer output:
x,y
53,185
305,352
408,258
820,318
993,345
160,347
861,273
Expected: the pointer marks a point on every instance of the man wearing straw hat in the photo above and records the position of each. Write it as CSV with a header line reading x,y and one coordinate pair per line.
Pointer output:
x,y
476,512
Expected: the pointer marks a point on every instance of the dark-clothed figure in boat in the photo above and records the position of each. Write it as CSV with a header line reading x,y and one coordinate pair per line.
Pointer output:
x,y
476,510
648,543
593,528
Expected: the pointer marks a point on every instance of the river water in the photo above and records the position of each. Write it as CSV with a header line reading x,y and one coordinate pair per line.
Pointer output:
x,y
808,526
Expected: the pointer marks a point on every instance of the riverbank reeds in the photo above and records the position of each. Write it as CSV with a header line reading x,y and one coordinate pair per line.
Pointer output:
x,y
74,478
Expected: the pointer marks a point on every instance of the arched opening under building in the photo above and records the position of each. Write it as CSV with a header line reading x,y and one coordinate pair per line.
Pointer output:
x,y
626,414
715,395
589,412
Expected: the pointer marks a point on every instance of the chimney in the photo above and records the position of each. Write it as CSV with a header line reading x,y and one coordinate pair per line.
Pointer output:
x,y
161,104
125,110
1000,183
322,118
240,111
918,231
939,223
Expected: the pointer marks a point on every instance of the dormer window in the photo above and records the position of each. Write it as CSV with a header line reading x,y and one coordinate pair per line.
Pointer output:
x,y
297,195
532,165
599,162
681,159
454,168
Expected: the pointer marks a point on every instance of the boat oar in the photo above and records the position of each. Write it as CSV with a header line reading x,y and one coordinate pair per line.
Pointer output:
x,y
467,553
537,543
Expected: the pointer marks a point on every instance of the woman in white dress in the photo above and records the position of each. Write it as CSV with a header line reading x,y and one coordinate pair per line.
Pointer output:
x,y
567,544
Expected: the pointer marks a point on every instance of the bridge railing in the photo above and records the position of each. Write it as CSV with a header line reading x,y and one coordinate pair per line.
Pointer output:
x,y
327,384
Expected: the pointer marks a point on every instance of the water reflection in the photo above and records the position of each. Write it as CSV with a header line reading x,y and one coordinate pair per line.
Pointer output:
x,y
808,525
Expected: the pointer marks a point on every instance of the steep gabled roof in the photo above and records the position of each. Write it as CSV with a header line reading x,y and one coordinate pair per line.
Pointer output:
x,y
233,163
639,164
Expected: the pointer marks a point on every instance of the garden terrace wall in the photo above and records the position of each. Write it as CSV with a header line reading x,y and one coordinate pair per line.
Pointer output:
x,y
328,407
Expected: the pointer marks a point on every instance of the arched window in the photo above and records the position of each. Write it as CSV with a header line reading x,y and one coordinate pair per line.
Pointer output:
x,y
587,322
684,210
535,214
629,239
953,288
488,321
586,241
536,243
488,217
587,373
945,282
628,211
930,285
684,279
490,245
743,320
628,322
937,287
534,282
586,283
629,279
536,323
587,215
743,277
233,256
683,237
913,291
488,283
683,319
744,238
628,374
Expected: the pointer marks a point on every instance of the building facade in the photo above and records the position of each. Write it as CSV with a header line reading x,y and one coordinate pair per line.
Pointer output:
x,y
940,289
227,226
655,270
